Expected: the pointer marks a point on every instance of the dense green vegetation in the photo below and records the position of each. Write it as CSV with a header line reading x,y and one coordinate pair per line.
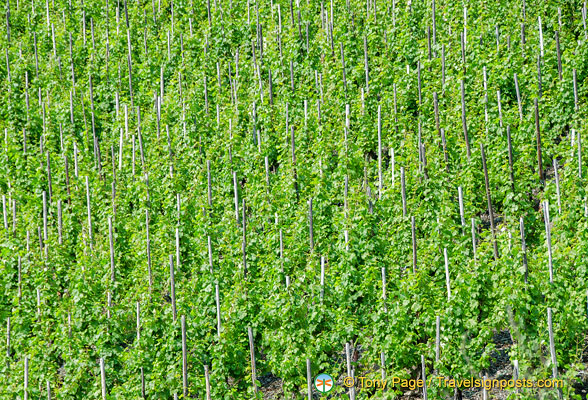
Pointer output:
x,y
252,144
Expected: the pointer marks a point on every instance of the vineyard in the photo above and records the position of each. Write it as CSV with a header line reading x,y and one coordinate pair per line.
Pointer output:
x,y
223,199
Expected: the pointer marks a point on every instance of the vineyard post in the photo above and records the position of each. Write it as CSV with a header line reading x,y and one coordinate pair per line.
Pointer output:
x,y
103,378
75,146
26,378
39,303
552,348
142,383
244,242
178,248
48,390
367,75
293,145
490,211
208,177
89,213
584,12
541,37
579,155
520,105
111,243
281,250
138,322
498,99
345,193
65,160
236,196
207,379
461,208
383,366
548,237
179,208
184,359
45,233
343,69
414,244
559,68
252,352
346,236
49,184
538,134
436,105
309,378
310,225
384,288
575,78
8,340
403,182
419,85
108,303
349,371
172,285
322,277
437,338
444,144
380,181
148,249
463,120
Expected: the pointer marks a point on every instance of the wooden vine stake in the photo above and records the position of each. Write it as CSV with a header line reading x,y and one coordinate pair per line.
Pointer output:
x,y
26,378
172,285
244,241
184,359
148,250
89,213
538,134
103,378
403,188
437,339
414,244
207,379
310,225
309,378
111,242
8,339
380,181
252,353
548,237
552,349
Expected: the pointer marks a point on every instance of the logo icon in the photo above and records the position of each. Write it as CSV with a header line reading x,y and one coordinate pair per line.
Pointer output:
x,y
324,383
